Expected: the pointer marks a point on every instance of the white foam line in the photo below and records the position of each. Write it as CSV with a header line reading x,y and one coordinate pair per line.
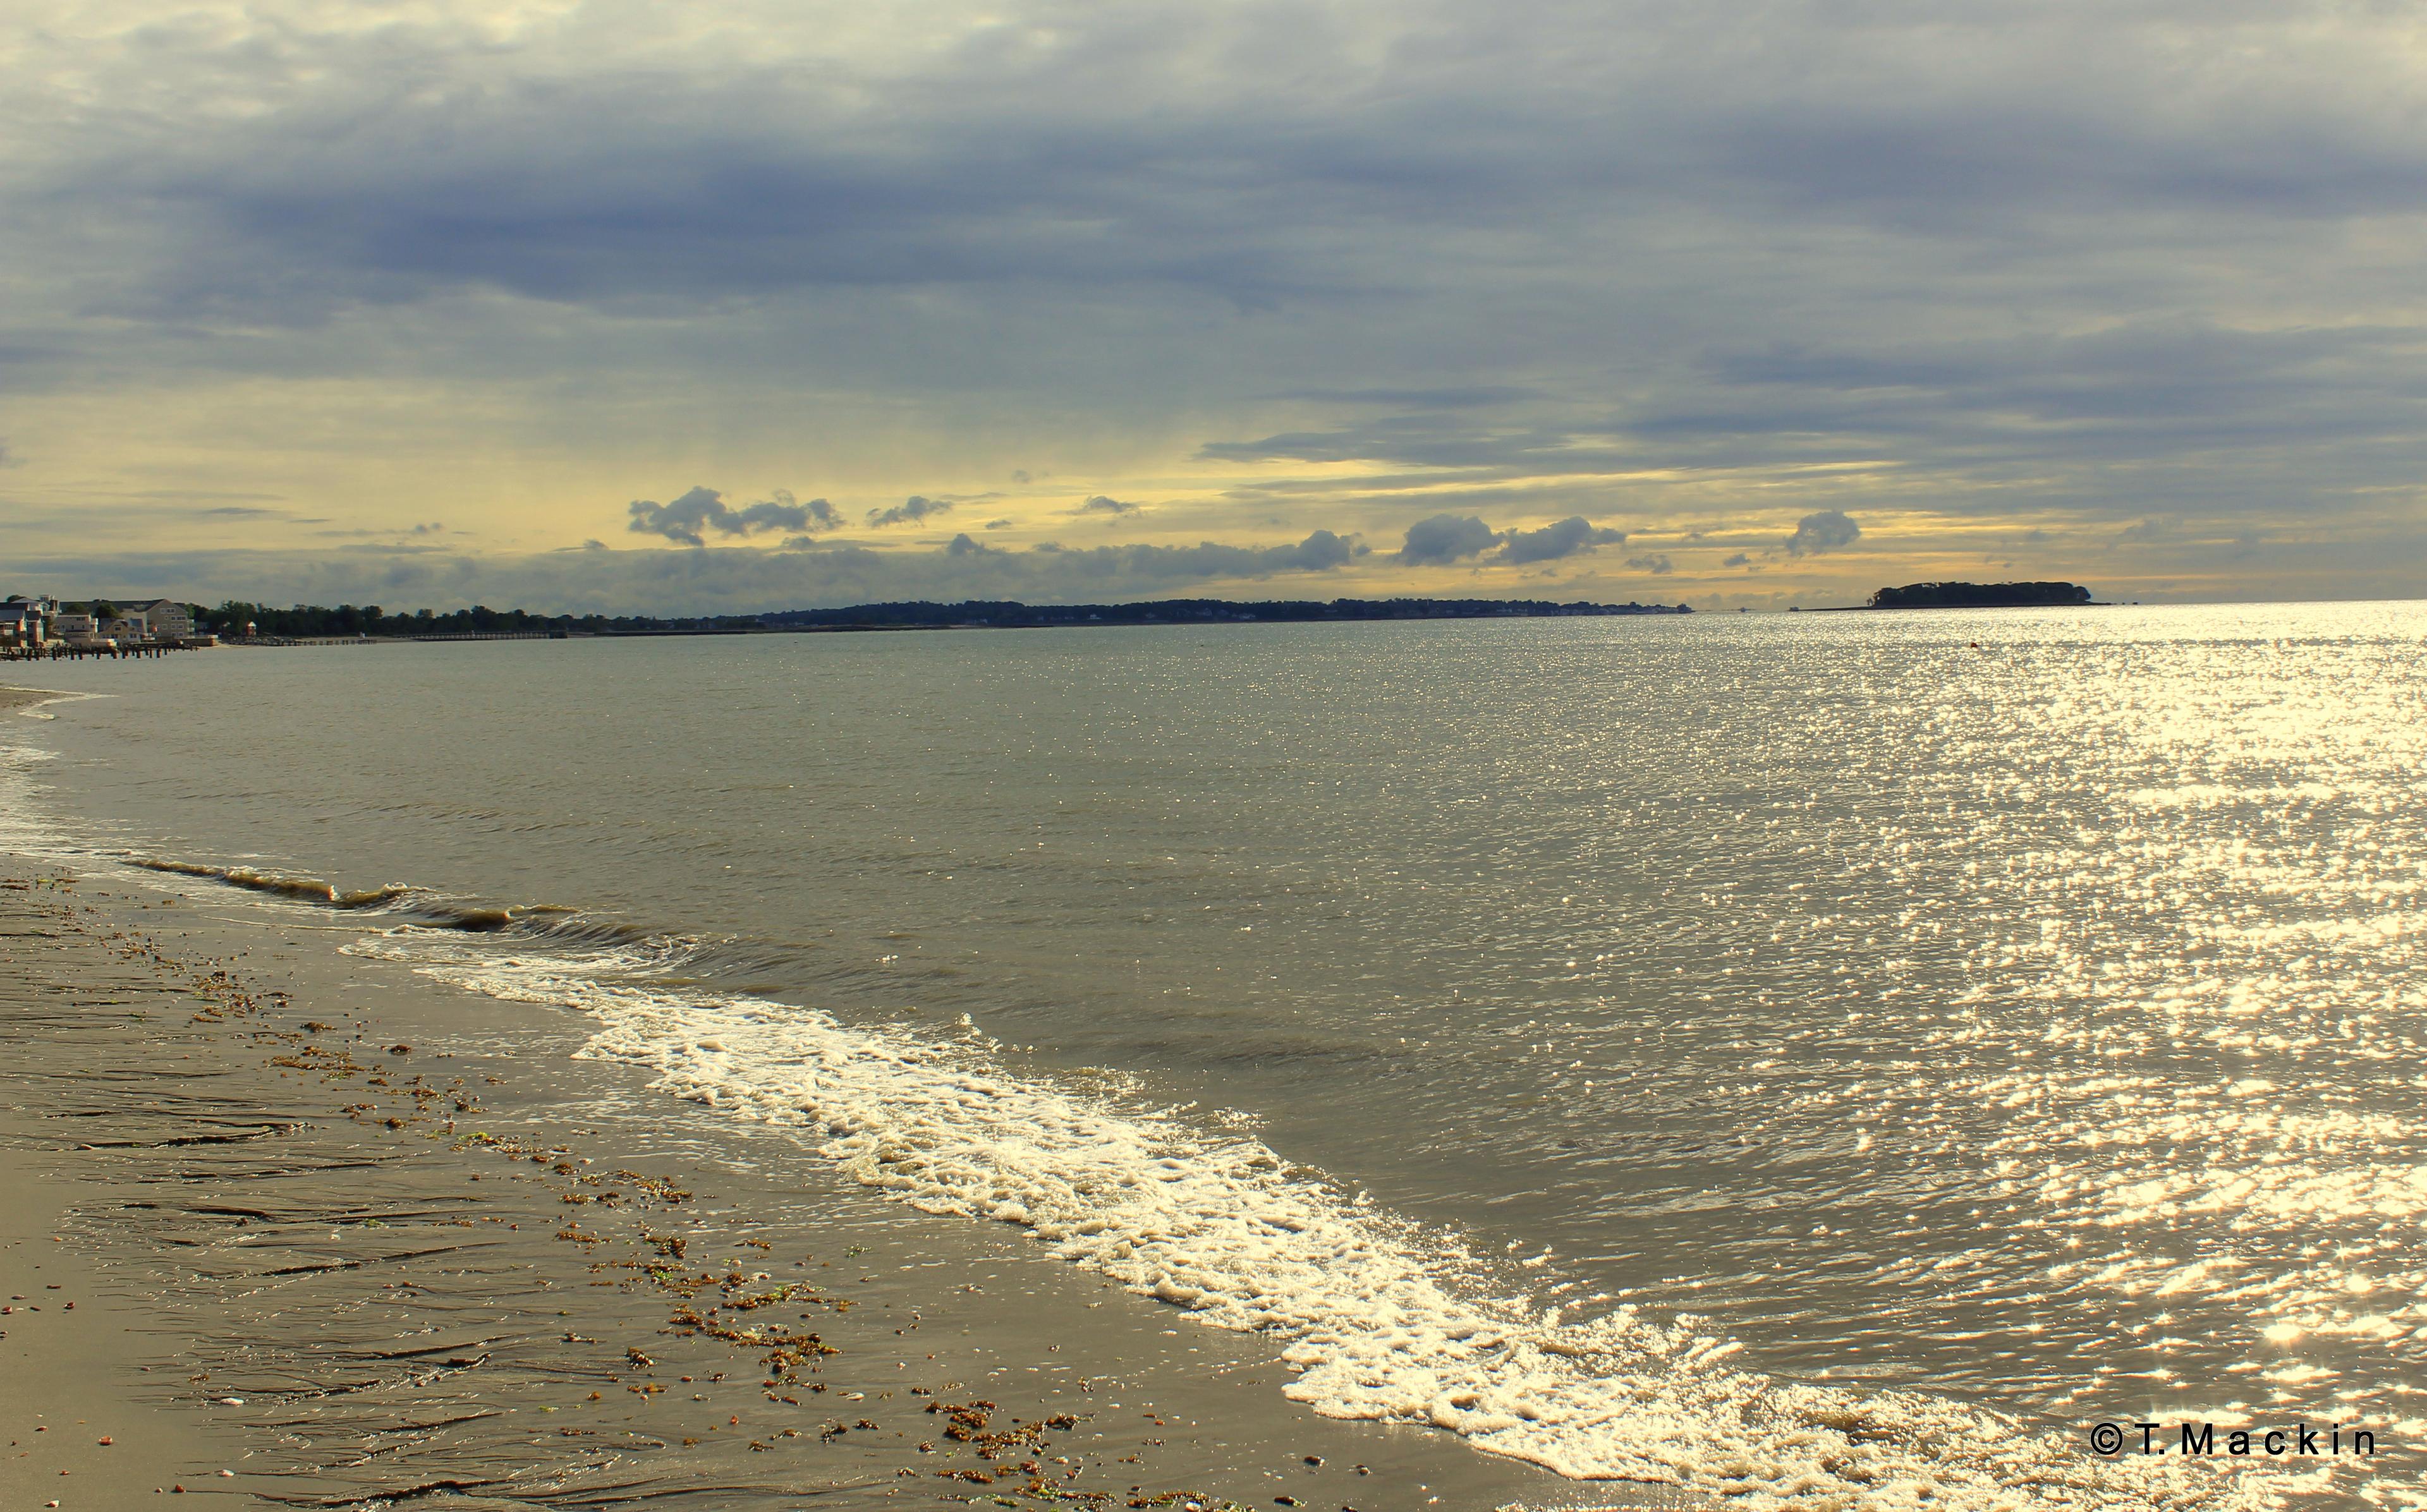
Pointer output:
x,y
1379,1321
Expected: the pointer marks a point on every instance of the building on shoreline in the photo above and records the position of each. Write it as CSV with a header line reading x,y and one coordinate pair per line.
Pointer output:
x,y
39,625
160,619
26,622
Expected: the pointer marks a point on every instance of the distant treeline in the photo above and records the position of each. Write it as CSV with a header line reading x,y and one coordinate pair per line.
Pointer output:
x,y
1194,610
310,621
1979,595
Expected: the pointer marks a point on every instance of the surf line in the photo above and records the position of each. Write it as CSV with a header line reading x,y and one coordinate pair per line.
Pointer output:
x,y
1379,1320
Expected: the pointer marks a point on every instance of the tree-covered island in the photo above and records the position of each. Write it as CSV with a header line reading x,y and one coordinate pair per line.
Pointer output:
x,y
1979,595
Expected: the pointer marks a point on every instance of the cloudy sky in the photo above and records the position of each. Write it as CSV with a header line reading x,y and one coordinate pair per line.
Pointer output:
x,y
601,304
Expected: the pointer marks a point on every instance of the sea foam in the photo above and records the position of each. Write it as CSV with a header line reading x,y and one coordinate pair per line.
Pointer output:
x,y
1377,1320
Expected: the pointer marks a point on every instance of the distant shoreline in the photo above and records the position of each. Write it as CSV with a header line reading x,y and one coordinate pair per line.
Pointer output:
x,y
249,624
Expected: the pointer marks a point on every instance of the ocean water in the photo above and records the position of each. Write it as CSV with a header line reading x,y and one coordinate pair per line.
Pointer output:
x,y
1829,1060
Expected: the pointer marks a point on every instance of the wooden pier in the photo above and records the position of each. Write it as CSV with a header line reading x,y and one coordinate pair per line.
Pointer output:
x,y
107,651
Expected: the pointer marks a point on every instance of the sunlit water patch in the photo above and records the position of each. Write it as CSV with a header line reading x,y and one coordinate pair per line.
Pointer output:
x,y
2012,1013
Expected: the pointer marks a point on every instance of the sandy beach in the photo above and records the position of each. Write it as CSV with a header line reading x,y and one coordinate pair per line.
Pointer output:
x,y
294,1239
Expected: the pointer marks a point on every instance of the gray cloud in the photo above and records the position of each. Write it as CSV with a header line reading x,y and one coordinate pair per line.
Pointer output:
x,y
1321,551
571,186
1829,530
1442,538
909,512
1739,560
703,509
689,581
1474,397
1148,568
1990,254
1552,542
1657,564
1104,504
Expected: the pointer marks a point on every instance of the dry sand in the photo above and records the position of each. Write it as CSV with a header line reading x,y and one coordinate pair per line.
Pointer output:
x,y
335,1239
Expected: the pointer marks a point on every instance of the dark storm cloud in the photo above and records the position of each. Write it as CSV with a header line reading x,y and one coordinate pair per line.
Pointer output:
x,y
703,509
1552,542
1829,530
909,512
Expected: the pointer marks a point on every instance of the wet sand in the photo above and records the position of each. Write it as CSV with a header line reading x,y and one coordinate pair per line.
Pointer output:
x,y
14,699
333,1237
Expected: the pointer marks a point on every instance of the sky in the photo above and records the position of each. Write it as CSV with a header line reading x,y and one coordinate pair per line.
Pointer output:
x,y
601,305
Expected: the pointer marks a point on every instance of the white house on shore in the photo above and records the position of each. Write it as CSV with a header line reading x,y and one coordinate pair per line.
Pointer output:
x,y
76,629
162,619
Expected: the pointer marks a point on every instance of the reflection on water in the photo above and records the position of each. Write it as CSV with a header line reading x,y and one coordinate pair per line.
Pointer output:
x,y
2022,1006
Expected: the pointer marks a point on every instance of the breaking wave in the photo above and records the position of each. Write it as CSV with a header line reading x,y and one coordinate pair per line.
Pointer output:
x,y
304,889
1380,1320
421,906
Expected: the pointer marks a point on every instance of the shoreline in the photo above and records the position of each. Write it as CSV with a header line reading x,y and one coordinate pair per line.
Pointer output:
x,y
15,700
385,1252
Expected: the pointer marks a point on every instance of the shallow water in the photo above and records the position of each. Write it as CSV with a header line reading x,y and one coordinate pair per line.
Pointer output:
x,y
2019,1010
